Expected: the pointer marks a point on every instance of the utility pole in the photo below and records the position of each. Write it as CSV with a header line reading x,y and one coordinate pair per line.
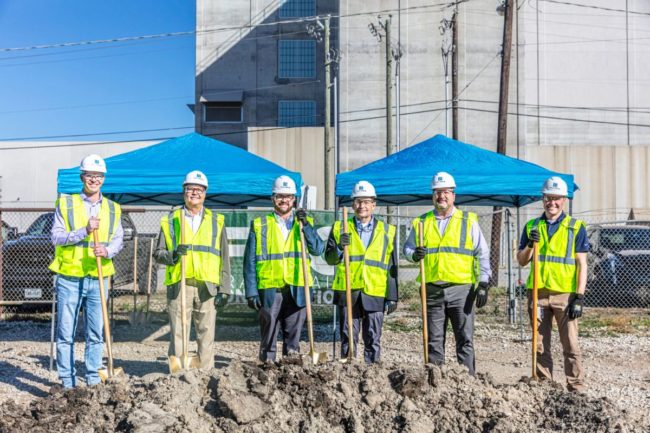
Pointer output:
x,y
329,154
445,49
501,134
454,74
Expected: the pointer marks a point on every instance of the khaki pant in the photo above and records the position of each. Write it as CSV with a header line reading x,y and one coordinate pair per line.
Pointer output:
x,y
201,311
555,305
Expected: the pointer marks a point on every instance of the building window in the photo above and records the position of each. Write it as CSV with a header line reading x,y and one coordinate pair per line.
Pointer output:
x,y
297,59
220,112
298,8
296,113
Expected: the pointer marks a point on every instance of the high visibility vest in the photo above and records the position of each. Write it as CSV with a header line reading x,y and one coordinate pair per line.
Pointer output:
x,y
79,260
368,266
278,262
449,257
557,256
203,259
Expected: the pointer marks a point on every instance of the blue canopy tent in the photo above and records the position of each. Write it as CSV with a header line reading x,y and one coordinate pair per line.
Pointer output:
x,y
484,178
154,175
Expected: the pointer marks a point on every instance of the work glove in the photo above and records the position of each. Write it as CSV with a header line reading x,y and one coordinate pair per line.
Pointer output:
x,y
301,214
575,306
181,250
419,254
254,303
482,294
533,236
390,306
344,240
221,299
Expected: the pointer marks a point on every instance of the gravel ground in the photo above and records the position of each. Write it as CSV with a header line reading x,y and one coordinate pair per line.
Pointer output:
x,y
617,367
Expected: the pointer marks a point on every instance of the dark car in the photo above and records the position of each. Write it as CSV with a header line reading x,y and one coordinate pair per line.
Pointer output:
x,y
25,272
8,232
619,266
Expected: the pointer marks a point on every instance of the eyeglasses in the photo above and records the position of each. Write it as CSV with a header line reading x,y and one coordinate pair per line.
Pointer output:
x,y
284,197
445,192
549,199
195,190
94,176
366,202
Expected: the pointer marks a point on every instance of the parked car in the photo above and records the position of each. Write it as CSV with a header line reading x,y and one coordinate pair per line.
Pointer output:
x,y
26,259
619,266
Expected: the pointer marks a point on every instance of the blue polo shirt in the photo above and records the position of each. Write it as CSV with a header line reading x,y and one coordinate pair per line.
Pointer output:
x,y
582,241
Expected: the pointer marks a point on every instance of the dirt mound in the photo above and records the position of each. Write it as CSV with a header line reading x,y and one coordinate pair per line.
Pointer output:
x,y
290,397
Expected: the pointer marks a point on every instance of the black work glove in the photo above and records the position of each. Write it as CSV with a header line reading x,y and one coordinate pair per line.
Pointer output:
x,y
344,240
419,254
221,299
575,306
301,214
533,236
482,294
390,306
254,303
181,250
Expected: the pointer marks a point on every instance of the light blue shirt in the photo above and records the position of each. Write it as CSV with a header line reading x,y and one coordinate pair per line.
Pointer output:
x,y
364,230
60,236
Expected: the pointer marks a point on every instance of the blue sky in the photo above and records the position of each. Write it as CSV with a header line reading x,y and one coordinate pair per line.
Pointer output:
x,y
87,89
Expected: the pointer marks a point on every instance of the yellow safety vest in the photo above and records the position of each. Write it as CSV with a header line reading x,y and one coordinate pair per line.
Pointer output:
x,y
450,257
203,259
79,260
278,262
368,267
557,256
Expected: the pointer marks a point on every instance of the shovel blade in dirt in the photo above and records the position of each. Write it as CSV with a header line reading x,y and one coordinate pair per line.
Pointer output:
x,y
180,363
105,375
317,357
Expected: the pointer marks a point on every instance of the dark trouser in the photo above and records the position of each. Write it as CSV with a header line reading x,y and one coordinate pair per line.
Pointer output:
x,y
284,312
371,323
455,304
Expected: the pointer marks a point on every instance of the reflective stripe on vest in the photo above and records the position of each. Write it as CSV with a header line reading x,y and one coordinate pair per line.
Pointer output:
x,y
450,257
79,260
203,259
278,261
368,266
557,260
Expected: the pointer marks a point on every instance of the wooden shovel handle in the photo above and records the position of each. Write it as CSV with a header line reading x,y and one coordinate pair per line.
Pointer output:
x,y
348,286
107,328
423,296
185,342
305,275
534,306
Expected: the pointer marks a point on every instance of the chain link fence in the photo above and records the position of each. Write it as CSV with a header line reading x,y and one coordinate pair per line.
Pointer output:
x,y
619,275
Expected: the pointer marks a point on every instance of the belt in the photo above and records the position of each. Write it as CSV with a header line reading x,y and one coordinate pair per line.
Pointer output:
x,y
444,285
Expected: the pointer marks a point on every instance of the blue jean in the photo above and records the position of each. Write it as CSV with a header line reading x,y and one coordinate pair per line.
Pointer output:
x,y
72,293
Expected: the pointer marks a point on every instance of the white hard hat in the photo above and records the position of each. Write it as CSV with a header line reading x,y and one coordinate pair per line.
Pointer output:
x,y
363,189
196,177
442,180
284,185
554,185
93,163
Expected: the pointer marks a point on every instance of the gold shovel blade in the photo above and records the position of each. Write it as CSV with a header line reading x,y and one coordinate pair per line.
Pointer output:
x,y
105,376
318,357
176,363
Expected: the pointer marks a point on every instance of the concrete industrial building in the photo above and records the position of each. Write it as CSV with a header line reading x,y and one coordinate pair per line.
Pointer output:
x,y
579,99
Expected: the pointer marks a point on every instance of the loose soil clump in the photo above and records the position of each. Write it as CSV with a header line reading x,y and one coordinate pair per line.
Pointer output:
x,y
335,398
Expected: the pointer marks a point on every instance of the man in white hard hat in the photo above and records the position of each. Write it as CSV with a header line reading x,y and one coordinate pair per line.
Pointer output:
x,y
273,271
75,263
457,270
562,276
207,267
373,272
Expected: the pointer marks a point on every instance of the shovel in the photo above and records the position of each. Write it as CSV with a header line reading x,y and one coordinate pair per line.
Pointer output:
x,y
534,306
316,357
133,315
423,297
140,317
348,291
185,361
105,374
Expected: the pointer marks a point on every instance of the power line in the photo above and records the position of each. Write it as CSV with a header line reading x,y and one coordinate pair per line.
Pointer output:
x,y
602,8
442,5
46,137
